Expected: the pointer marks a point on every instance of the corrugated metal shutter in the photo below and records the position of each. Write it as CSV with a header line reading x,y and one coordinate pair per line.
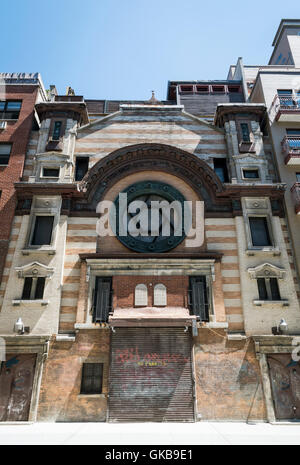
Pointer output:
x,y
151,375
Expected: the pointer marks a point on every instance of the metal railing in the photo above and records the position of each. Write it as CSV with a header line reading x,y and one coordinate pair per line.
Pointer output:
x,y
284,102
102,311
291,145
200,310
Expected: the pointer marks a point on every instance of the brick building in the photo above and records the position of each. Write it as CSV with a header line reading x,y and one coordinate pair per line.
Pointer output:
x,y
159,327
19,92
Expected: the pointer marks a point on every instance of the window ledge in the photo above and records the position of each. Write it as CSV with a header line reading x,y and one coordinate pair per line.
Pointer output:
x,y
213,325
259,250
91,396
47,250
42,303
94,326
9,119
283,302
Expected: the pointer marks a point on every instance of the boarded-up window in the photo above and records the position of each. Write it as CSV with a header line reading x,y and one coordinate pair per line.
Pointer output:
x,y
141,295
92,378
160,295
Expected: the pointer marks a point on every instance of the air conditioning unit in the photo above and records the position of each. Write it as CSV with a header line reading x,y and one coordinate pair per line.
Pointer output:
x,y
3,124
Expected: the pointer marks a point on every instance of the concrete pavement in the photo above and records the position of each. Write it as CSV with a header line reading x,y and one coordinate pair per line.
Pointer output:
x,y
149,434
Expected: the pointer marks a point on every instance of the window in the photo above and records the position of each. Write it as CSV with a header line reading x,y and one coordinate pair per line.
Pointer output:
x,y
202,89
198,298
186,89
5,150
56,130
293,139
10,109
250,174
102,300
259,232
33,289
91,378
160,295
81,167
50,172
234,89
42,233
268,289
293,132
141,296
285,97
245,132
298,177
218,89
220,167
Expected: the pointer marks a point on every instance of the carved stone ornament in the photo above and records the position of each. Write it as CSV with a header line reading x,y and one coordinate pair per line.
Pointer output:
x,y
34,270
266,271
151,157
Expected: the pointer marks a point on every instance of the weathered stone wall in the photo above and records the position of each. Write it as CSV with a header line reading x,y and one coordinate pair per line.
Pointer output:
x,y
60,398
228,379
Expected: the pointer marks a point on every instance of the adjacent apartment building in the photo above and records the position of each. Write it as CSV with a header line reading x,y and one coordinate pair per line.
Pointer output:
x,y
196,323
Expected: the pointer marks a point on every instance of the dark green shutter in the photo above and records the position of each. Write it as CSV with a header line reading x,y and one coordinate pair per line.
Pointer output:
x,y
198,297
102,301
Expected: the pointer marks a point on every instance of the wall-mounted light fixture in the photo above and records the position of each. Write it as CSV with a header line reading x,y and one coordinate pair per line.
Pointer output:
x,y
282,327
19,327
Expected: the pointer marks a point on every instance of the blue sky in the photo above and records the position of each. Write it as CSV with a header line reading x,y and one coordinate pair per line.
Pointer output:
x,y
122,49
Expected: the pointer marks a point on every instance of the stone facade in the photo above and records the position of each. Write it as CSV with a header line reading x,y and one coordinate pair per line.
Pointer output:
x,y
224,295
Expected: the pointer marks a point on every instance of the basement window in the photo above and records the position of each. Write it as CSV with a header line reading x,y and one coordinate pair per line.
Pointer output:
x,y
91,378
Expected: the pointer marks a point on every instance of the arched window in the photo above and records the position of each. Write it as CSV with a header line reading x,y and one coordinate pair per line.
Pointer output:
x,y
141,295
160,295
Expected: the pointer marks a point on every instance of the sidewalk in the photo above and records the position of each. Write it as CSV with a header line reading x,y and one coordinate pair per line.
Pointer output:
x,y
149,434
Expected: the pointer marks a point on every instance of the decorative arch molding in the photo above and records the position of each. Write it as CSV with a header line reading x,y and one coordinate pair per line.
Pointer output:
x,y
266,270
34,270
152,157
